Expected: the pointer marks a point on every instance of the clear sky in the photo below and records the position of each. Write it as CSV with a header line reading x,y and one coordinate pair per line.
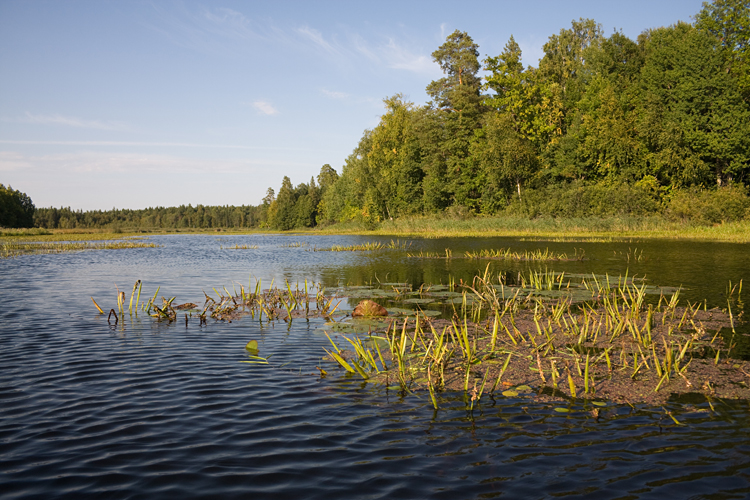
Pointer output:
x,y
133,104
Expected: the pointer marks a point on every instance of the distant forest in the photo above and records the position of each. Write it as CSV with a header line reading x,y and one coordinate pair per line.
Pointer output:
x,y
604,126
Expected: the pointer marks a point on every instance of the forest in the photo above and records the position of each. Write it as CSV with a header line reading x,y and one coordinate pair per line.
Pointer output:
x,y
603,126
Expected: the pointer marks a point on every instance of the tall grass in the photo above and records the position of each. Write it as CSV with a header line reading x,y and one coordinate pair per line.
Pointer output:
x,y
13,247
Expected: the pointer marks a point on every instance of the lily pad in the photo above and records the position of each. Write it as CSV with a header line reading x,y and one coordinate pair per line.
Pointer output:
x,y
419,301
510,394
562,410
446,294
523,388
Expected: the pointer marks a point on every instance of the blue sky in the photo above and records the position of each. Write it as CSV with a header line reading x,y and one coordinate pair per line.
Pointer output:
x,y
134,104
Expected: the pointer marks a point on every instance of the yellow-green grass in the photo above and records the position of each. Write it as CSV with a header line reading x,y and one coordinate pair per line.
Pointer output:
x,y
11,248
590,229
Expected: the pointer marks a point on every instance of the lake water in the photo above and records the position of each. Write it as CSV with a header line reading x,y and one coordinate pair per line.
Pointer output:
x,y
146,409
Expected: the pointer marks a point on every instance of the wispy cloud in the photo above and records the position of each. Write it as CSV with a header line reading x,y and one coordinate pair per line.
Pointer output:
x,y
225,31
334,94
265,107
10,160
219,31
317,38
143,143
400,57
132,163
71,121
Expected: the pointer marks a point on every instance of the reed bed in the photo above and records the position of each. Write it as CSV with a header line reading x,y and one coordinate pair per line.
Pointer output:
x,y
33,231
13,247
240,247
540,336
272,304
615,346
503,254
366,247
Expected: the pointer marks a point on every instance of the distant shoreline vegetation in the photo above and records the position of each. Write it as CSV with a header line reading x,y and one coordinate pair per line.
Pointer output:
x,y
606,134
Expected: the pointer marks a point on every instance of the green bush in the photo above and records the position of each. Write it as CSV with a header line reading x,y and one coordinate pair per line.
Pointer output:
x,y
579,199
709,206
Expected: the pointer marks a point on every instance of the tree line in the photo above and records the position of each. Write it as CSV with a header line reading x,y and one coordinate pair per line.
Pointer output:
x,y
604,125
16,208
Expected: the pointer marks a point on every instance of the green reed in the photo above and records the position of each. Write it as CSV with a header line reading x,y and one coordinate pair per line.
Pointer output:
x,y
613,332
14,247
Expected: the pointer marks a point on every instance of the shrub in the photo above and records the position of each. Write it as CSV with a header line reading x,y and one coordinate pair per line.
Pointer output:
x,y
709,206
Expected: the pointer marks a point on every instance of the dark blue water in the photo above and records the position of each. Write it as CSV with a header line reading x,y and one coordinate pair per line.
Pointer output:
x,y
144,409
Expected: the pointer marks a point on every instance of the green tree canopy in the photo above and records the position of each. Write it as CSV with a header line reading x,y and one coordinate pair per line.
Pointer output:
x,y
16,208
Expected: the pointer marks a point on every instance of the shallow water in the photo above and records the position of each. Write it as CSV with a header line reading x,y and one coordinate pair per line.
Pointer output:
x,y
144,409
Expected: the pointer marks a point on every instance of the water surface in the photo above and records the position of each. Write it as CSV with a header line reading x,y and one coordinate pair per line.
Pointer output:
x,y
146,409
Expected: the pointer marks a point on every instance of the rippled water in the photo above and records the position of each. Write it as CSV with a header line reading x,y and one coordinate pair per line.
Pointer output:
x,y
148,410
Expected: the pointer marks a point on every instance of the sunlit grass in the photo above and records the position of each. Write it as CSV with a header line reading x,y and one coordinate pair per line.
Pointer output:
x,y
647,350
13,248
365,247
589,229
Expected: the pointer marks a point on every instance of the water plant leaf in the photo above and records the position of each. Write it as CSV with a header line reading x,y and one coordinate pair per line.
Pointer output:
x,y
252,346
341,361
368,308
510,394
419,301
562,410
599,403
523,388
97,306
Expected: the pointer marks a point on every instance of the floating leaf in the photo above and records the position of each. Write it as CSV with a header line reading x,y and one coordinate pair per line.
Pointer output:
x,y
562,410
523,388
419,301
510,394
599,403
252,346
369,308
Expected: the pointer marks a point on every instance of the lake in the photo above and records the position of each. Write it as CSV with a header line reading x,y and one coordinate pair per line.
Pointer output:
x,y
148,409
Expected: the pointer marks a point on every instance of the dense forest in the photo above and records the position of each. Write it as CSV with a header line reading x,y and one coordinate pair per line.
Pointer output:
x,y
604,126
16,208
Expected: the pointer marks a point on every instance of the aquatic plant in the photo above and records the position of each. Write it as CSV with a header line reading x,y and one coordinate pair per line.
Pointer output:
x,y
15,247
570,336
366,247
240,247
503,254
616,344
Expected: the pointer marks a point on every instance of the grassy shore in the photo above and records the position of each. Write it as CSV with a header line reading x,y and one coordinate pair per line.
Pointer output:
x,y
591,229
550,229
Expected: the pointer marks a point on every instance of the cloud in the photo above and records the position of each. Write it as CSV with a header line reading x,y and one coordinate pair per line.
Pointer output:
x,y
317,38
95,162
230,23
70,121
10,160
334,94
265,107
399,57
151,144
219,31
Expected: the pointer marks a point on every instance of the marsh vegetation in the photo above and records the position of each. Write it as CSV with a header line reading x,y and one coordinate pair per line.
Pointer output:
x,y
556,336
